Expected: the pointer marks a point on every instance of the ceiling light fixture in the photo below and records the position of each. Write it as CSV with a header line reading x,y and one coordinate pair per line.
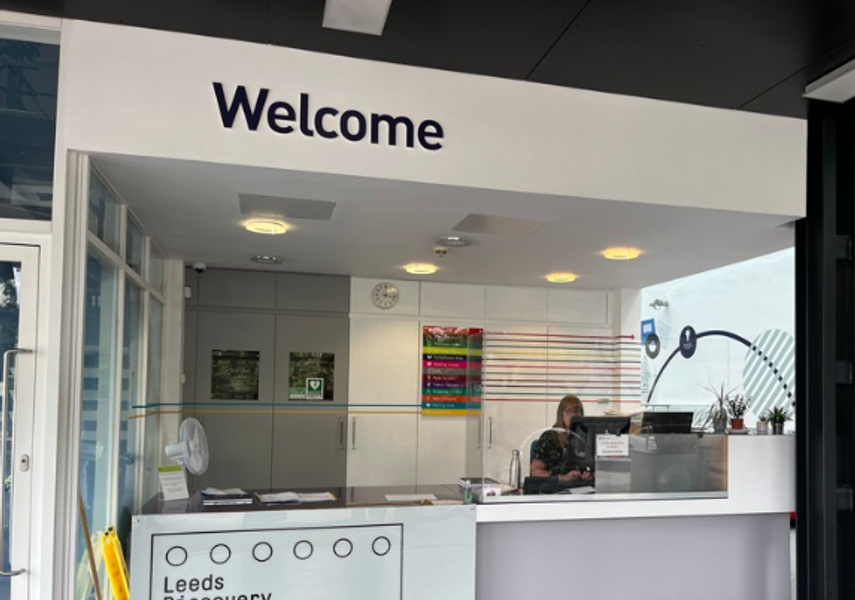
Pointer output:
x,y
266,259
265,227
453,241
561,277
364,16
420,269
837,86
621,253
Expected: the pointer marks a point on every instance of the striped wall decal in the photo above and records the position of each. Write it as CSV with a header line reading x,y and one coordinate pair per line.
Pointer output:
x,y
769,371
533,367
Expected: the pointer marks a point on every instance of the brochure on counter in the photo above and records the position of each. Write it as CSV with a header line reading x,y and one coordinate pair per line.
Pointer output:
x,y
295,497
476,482
227,497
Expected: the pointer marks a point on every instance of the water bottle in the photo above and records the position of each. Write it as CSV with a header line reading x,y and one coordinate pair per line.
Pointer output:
x,y
514,470
467,492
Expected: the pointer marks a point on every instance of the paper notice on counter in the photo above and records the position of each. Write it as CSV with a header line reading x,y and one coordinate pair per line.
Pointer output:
x,y
173,482
409,497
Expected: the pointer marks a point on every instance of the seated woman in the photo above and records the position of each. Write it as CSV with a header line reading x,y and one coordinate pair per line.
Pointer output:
x,y
549,458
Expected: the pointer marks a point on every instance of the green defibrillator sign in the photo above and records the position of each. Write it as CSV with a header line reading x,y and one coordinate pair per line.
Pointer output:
x,y
314,388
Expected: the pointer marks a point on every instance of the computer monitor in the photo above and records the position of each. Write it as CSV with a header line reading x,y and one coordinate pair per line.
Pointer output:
x,y
667,422
581,451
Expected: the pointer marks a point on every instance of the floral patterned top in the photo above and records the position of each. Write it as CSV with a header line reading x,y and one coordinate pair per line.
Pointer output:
x,y
550,453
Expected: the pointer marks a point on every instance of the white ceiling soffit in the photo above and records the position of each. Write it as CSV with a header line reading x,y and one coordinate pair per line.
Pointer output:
x,y
358,16
837,86
379,226
29,28
494,225
285,208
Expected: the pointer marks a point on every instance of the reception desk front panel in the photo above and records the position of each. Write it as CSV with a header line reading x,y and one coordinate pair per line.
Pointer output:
x,y
378,553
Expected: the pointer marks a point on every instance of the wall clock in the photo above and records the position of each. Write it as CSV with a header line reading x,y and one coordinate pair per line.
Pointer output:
x,y
384,295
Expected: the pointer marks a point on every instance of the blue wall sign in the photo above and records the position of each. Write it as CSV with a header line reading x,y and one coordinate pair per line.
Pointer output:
x,y
688,341
648,326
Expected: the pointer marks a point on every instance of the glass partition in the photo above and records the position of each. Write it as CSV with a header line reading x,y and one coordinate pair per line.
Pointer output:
x,y
625,466
155,272
667,463
97,425
122,371
135,247
104,213
129,429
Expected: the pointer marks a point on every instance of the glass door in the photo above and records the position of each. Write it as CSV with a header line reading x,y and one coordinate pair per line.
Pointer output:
x,y
18,301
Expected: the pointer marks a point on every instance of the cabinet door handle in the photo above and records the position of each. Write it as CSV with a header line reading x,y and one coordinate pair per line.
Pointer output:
x,y
341,433
489,432
353,434
480,432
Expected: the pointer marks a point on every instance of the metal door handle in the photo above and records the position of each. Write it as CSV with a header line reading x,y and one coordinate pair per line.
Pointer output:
x,y
489,432
353,434
341,433
480,429
4,407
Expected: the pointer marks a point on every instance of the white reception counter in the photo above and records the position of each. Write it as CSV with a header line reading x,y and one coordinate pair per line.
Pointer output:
x,y
599,546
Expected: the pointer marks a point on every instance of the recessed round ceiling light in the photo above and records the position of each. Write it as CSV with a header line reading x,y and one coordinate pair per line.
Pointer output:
x,y
266,259
561,277
622,253
420,269
453,241
265,227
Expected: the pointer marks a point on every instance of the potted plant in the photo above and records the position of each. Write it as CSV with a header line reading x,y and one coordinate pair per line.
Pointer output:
x,y
778,415
737,406
763,424
717,414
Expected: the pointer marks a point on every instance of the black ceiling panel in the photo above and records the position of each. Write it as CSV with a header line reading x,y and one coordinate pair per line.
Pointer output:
x,y
754,55
51,8
503,38
783,99
712,53
727,54
245,20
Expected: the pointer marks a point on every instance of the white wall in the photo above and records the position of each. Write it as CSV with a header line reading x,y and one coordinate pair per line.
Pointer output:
x,y
746,298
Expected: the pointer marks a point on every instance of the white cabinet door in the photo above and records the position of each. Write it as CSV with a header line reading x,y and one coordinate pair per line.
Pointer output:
x,y
509,426
384,362
381,448
447,449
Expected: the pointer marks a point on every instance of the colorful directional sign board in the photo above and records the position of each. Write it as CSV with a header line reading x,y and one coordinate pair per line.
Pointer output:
x,y
451,370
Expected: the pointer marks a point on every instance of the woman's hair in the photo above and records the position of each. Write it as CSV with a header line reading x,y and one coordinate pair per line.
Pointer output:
x,y
568,401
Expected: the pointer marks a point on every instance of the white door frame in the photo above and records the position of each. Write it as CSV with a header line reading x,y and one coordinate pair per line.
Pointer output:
x,y
23,502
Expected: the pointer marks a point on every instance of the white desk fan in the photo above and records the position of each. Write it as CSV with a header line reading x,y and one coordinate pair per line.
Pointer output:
x,y
191,450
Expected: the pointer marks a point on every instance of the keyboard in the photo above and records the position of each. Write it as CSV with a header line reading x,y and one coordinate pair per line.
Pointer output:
x,y
551,485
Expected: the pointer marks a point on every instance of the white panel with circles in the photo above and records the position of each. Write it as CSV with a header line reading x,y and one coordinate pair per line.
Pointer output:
x,y
319,563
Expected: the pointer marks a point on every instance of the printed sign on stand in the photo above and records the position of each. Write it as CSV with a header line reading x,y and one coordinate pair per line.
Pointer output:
x,y
609,445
